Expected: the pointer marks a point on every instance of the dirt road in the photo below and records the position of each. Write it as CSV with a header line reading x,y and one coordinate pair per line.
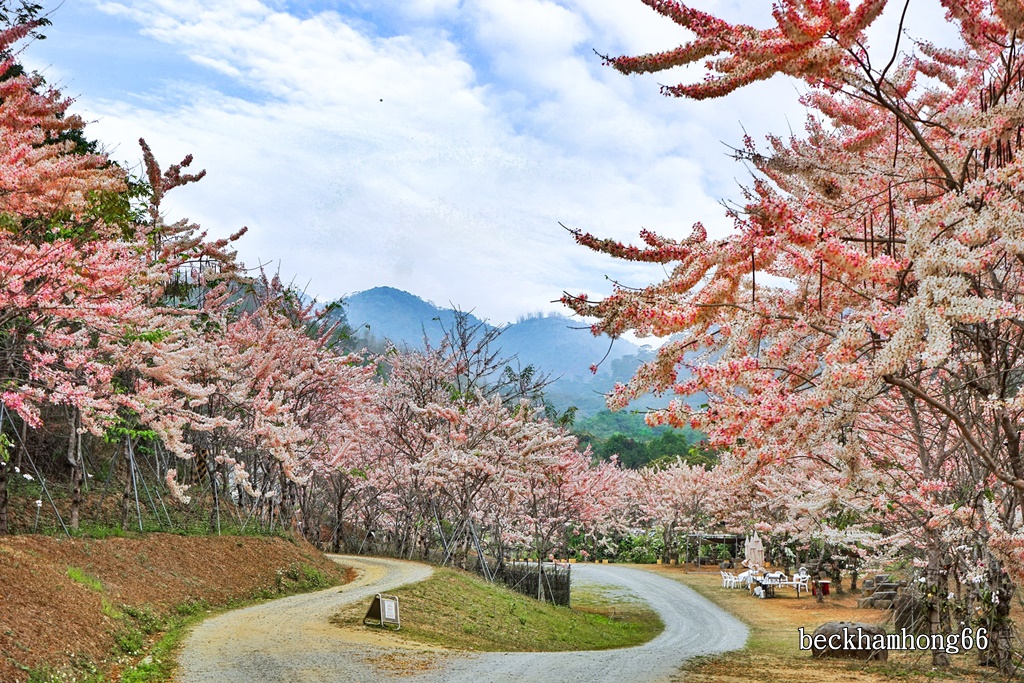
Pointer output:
x,y
291,641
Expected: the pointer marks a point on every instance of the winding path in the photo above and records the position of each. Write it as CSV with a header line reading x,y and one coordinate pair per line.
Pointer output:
x,y
290,640
693,626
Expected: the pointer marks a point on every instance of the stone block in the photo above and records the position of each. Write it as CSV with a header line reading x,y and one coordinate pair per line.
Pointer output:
x,y
858,633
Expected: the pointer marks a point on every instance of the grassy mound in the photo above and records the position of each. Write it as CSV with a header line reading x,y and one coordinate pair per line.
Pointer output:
x,y
460,611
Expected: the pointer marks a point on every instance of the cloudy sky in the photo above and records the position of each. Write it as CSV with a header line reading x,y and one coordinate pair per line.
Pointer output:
x,y
429,145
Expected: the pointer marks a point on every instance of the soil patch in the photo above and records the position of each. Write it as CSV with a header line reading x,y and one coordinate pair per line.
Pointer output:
x,y
61,599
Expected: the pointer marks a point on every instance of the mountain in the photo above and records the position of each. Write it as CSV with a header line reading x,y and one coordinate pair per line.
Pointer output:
x,y
386,313
553,344
563,346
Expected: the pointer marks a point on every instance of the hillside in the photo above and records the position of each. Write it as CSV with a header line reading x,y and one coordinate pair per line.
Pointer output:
x,y
563,347
386,313
89,606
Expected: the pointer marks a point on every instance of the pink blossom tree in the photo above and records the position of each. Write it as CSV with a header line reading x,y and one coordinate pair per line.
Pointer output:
x,y
890,235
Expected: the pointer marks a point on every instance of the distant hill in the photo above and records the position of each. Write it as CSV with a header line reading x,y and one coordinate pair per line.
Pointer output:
x,y
566,347
386,313
553,344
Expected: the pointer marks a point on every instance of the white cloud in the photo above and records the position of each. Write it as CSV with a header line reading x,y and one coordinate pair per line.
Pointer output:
x,y
437,153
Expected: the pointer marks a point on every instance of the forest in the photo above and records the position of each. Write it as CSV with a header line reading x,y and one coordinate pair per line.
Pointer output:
x,y
858,336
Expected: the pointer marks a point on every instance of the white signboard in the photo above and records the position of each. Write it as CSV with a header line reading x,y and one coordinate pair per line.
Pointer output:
x,y
383,612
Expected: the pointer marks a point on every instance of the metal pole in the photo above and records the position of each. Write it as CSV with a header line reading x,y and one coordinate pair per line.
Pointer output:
x,y
135,482
35,469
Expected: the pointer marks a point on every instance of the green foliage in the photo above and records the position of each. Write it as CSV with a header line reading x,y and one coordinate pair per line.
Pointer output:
x,y
158,666
643,548
300,578
627,435
90,582
129,640
564,419
98,531
151,336
5,448
137,622
123,429
670,443
632,453
629,423
635,452
81,670
119,211
147,671
109,610
191,607
144,618
45,674
23,12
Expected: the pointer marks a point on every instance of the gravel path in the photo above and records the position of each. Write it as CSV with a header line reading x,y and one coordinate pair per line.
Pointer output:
x,y
693,626
291,641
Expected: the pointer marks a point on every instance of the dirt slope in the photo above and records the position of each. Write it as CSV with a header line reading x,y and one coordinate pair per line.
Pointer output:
x,y
49,619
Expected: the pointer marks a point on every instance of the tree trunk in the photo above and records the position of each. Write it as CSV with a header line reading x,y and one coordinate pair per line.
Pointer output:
x,y
1000,627
837,578
4,467
215,488
74,459
935,590
126,496
666,536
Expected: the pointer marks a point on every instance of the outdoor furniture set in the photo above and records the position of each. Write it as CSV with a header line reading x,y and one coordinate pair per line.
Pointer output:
x,y
763,584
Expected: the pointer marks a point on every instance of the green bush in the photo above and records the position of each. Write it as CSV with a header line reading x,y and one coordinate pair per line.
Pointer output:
x,y
300,577
191,607
641,548
129,640
147,621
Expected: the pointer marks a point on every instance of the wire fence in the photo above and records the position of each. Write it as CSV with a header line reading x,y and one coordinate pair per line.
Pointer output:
x,y
545,581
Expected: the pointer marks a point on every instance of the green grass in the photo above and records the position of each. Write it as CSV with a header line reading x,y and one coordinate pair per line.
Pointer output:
x,y
90,582
300,578
159,664
461,611
81,670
